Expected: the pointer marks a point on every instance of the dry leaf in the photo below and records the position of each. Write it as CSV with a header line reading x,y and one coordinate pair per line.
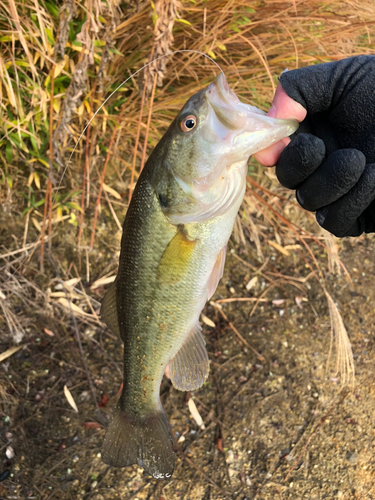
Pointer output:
x,y
298,300
71,295
111,191
60,66
91,425
252,283
279,248
9,352
292,247
207,321
195,413
73,307
219,444
36,224
70,399
103,281
72,282
103,403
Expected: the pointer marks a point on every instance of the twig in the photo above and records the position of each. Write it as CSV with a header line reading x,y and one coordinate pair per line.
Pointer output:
x,y
319,424
146,485
215,485
23,249
136,144
50,157
118,223
86,169
95,491
102,179
253,268
264,62
48,198
78,337
85,165
241,299
219,308
148,122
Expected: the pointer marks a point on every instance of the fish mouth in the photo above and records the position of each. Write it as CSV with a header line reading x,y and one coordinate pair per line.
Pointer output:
x,y
246,128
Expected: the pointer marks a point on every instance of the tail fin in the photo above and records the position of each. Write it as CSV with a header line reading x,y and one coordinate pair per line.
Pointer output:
x,y
146,442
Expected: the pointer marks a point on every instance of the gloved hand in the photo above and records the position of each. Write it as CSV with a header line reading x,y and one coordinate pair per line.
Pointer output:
x,y
330,160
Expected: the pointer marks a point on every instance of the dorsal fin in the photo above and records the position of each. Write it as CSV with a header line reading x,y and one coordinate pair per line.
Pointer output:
x,y
108,309
189,368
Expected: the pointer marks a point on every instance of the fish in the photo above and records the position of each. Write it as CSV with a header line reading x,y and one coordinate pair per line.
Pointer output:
x,y
172,256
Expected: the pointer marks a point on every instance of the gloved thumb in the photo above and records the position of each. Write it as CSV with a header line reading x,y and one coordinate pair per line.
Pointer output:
x,y
282,107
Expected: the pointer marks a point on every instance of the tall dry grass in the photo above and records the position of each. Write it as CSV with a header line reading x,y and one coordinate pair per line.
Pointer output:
x,y
59,66
84,51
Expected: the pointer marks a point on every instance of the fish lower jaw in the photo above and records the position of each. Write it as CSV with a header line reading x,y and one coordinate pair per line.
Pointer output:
x,y
252,141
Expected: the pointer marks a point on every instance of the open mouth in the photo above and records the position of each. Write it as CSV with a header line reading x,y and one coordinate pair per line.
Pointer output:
x,y
249,129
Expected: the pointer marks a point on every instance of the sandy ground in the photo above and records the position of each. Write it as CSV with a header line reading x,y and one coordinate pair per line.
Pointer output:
x,y
277,424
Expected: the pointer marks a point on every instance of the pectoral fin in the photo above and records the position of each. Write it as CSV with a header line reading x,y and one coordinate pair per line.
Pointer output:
x,y
108,310
175,259
217,273
189,368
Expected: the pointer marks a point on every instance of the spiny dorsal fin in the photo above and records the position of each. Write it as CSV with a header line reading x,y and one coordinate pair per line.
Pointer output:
x,y
175,259
189,368
108,310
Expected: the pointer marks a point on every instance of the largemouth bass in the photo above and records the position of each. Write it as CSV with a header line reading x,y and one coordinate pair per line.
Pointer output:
x,y
172,256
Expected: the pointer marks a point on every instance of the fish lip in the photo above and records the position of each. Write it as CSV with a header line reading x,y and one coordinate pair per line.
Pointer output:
x,y
222,87
225,103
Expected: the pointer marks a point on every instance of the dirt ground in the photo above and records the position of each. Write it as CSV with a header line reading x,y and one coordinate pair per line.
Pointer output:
x,y
277,424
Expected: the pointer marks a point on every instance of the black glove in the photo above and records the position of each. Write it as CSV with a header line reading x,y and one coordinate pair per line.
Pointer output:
x,y
331,158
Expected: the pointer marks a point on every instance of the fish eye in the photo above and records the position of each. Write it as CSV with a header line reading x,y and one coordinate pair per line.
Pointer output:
x,y
188,123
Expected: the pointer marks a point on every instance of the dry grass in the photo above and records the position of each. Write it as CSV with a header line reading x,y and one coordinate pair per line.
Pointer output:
x,y
58,69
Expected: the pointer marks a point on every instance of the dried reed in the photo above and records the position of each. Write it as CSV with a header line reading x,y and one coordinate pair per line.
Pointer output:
x,y
47,79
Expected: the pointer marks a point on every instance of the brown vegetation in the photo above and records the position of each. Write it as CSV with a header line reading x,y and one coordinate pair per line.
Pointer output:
x,y
63,202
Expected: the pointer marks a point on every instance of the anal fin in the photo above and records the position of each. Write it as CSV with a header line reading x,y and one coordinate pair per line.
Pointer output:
x,y
108,309
189,368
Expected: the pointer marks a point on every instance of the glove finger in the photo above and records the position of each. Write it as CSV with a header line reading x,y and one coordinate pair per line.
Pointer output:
x,y
320,87
299,159
345,216
334,178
